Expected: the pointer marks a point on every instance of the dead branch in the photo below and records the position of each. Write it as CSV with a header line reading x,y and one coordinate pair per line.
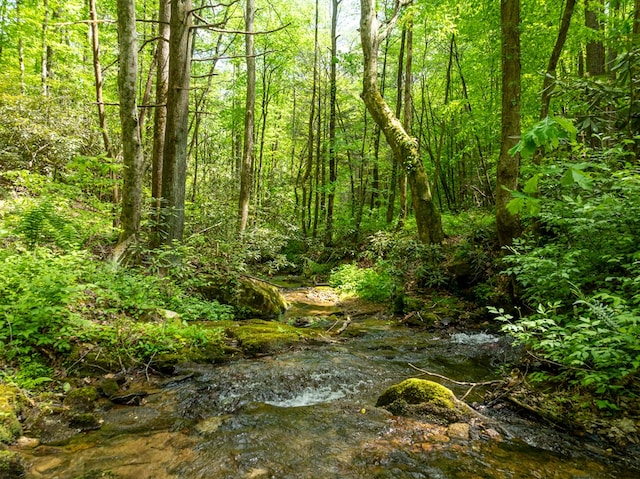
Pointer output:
x,y
460,383
345,325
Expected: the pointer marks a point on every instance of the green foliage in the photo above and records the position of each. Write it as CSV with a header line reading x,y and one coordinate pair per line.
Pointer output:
x,y
590,239
37,294
30,373
585,247
372,284
126,291
40,224
134,343
547,133
41,135
596,343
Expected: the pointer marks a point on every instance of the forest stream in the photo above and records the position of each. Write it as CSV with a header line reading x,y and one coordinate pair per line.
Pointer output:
x,y
310,413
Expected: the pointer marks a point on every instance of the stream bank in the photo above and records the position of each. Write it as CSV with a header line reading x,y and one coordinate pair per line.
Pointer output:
x,y
306,409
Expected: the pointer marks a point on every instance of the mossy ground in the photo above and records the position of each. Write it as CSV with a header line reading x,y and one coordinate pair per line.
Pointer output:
x,y
10,428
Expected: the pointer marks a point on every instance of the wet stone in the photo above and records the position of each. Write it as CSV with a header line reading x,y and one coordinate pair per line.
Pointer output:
x,y
458,430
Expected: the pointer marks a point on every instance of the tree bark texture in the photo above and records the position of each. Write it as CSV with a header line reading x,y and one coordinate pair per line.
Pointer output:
x,y
160,111
132,156
508,225
174,169
393,182
97,70
333,160
595,63
404,147
250,102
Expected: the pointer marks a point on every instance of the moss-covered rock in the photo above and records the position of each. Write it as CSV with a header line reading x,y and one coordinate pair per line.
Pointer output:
x,y
262,337
418,391
10,428
81,399
84,421
11,465
425,400
250,297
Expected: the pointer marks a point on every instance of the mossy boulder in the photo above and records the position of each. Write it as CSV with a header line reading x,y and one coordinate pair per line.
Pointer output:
x,y
417,391
11,465
10,428
250,297
256,337
426,400
81,399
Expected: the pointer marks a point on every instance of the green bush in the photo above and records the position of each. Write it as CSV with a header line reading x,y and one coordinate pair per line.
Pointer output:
x,y
581,259
134,293
367,283
37,294
597,344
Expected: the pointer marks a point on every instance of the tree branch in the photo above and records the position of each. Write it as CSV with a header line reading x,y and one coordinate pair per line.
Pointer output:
x,y
391,23
214,28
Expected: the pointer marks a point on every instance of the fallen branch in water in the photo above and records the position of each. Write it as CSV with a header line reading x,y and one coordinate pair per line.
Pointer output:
x,y
345,325
460,383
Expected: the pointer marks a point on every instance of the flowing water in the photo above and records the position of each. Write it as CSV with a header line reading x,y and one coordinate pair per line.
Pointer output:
x,y
310,413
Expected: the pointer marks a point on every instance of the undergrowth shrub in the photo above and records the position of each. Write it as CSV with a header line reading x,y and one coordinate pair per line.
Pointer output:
x,y
372,284
132,292
578,271
37,294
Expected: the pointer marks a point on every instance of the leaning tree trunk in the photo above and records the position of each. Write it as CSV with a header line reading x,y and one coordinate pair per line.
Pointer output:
x,y
174,168
403,145
508,225
132,157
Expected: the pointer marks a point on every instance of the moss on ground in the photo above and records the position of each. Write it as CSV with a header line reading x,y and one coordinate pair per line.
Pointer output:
x,y
10,428
263,337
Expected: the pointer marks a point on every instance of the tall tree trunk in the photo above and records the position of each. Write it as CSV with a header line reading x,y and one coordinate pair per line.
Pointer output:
x,y
132,157
319,165
174,167
333,160
636,21
595,63
404,147
406,124
102,119
44,59
508,225
97,71
393,182
267,73
247,152
306,177
160,113
549,77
